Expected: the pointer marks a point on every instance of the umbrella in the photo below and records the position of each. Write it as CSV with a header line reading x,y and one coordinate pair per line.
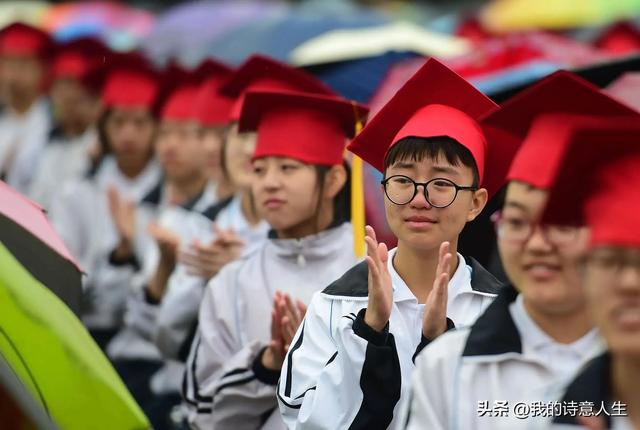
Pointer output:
x,y
349,44
358,79
27,234
19,409
55,358
120,26
186,31
518,15
279,35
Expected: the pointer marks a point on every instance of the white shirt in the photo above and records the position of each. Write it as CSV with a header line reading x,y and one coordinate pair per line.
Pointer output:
x,y
62,160
560,358
22,138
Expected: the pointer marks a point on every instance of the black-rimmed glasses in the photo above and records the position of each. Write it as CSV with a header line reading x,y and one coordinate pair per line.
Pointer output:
x,y
439,192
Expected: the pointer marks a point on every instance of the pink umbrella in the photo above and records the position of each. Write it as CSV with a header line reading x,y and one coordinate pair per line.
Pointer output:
x,y
28,235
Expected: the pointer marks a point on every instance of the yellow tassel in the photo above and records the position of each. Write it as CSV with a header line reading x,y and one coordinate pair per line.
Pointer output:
x,y
357,196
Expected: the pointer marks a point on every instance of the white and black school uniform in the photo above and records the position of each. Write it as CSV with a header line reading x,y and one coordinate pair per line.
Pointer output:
x,y
80,214
22,139
592,387
503,357
226,385
63,159
340,373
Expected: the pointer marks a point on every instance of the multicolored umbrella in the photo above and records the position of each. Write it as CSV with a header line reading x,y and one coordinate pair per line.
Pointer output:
x,y
120,26
28,235
55,358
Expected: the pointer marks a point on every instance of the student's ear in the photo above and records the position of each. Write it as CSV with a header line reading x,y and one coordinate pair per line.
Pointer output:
x,y
478,202
334,181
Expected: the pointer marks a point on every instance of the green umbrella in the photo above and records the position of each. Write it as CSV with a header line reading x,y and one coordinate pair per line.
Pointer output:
x,y
54,356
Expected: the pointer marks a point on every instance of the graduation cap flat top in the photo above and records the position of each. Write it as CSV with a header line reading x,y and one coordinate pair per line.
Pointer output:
x,y
261,73
434,102
597,181
308,127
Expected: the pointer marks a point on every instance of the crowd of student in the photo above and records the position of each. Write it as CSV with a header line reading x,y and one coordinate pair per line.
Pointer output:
x,y
210,209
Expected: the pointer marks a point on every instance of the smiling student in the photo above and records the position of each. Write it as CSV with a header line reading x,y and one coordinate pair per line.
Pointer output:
x,y
599,188
537,332
350,362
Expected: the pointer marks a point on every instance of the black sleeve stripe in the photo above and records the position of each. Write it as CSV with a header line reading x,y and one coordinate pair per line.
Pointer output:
x,y
185,347
333,357
287,387
380,382
194,380
234,383
204,410
235,372
289,405
303,394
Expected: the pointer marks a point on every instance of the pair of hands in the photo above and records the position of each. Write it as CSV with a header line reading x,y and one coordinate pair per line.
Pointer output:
x,y
380,301
201,259
206,259
286,317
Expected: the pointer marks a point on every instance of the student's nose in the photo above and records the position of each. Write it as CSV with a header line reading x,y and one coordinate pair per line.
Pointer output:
x,y
538,242
420,201
629,278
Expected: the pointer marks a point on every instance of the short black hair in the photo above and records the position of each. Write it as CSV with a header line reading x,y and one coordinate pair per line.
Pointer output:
x,y
418,148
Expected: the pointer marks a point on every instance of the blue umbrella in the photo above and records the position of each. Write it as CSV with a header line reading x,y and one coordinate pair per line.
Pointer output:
x,y
277,36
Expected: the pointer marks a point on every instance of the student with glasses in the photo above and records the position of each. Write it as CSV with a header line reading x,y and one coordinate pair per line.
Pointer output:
x,y
537,332
607,170
349,364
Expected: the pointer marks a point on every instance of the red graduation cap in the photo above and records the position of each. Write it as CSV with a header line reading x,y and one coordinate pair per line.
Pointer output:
x,y
562,92
181,88
260,73
23,39
131,82
307,127
597,181
210,108
434,102
84,59
178,88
